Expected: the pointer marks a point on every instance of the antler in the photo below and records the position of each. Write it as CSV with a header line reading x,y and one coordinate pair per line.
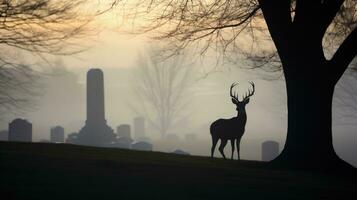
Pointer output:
x,y
251,93
233,95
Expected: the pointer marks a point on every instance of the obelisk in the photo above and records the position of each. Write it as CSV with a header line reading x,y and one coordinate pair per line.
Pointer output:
x,y
95,97
96,132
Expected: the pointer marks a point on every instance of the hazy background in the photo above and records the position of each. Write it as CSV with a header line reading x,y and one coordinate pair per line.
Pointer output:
x,y
63,99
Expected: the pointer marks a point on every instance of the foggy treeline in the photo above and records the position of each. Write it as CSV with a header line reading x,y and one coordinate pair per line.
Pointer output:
x,y
62,102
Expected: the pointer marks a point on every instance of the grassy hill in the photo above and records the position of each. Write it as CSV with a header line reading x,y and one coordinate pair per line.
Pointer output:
x,y
62,171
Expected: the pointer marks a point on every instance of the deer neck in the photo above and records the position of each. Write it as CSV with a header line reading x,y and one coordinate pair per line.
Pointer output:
x,y
242,115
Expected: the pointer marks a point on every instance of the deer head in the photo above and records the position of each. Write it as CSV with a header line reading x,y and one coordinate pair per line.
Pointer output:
x,y
241,104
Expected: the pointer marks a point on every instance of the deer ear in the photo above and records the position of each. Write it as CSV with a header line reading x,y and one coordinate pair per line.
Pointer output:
x,y
246,101
234,101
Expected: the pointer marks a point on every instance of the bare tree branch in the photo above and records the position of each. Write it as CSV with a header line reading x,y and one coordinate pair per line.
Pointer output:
x,y
229,26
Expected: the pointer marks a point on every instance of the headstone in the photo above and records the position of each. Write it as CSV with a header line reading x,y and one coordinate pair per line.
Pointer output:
x,y
270,150
20,130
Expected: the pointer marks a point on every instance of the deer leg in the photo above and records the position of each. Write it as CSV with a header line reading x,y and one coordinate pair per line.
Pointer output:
x,y
221,147
232,144
214,143
238,148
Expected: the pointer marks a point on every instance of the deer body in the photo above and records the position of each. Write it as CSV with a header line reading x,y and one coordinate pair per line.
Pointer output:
x,y
231,129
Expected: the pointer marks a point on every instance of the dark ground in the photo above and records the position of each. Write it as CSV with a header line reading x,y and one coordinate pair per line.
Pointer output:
x,y
62,171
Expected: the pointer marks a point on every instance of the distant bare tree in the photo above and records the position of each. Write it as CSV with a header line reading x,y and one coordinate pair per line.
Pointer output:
x,y
38,27
161,88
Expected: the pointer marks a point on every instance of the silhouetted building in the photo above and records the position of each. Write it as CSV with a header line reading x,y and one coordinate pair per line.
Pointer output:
x,y
57,134
139,127
20,130
142,146
190,137
95,132
180,152
124,130
72,138
270,150
4,135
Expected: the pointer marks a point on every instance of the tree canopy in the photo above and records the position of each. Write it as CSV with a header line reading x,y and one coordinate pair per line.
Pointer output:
x,y
238,27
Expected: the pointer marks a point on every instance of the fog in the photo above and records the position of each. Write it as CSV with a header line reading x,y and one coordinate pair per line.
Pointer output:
x,y
64,101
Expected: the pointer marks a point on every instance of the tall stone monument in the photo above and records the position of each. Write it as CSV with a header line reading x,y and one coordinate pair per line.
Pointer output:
x,y
96,132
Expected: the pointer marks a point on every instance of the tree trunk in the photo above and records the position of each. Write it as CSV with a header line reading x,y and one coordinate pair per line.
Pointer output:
x,y
309,138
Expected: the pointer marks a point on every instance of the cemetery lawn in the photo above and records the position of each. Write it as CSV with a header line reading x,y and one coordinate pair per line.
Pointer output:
x,y
63,171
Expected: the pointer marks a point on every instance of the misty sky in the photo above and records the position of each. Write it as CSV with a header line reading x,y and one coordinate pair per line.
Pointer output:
x,y
63,100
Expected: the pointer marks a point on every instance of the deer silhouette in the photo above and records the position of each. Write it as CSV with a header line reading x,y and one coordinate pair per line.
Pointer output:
x,y
231,129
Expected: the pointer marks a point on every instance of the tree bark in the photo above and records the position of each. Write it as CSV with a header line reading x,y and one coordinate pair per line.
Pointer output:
x,y
309,138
